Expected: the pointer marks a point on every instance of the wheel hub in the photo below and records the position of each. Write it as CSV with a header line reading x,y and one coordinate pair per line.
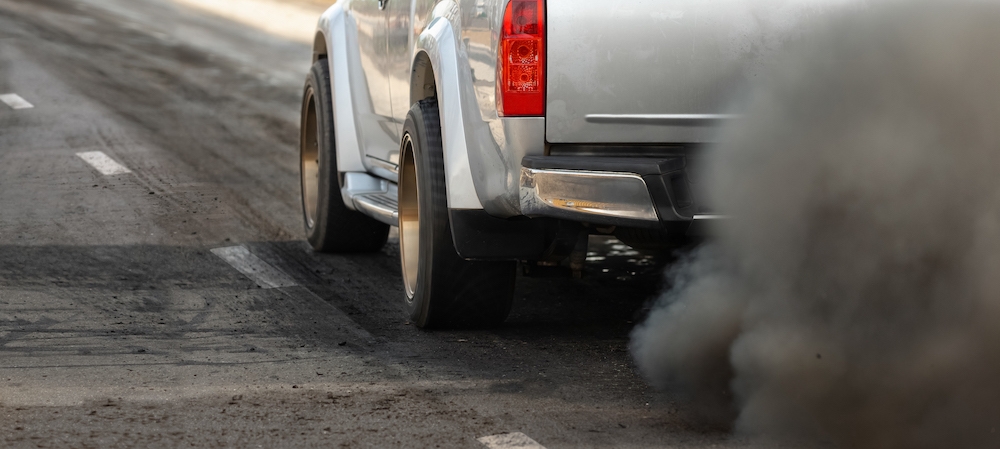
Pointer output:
x,y
409,217
309,153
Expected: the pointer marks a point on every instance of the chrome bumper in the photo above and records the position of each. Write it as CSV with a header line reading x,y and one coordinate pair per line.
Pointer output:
x,y
634,192
597,197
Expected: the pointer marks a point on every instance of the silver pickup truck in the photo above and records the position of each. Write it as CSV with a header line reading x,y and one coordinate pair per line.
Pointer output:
x,y
498,131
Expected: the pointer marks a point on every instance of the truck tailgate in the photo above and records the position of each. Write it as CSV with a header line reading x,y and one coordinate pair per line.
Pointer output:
x,y
653,71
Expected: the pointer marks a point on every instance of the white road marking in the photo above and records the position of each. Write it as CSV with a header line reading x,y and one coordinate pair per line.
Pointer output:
x,y
253,267
15,101
516,440
103,163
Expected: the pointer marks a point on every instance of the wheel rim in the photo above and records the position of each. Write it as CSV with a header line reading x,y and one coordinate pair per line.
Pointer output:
x,y
409,217
310,163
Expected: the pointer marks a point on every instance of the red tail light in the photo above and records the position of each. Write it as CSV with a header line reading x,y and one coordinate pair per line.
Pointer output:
x,y
521,68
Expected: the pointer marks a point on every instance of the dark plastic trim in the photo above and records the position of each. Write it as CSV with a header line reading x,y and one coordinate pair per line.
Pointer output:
x,y
481,236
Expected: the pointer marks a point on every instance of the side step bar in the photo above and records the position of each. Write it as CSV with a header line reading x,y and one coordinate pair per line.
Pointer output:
x,y
383,207
374,197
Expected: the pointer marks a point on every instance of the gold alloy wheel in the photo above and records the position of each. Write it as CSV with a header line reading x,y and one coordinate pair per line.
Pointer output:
x,y
409,217
309,153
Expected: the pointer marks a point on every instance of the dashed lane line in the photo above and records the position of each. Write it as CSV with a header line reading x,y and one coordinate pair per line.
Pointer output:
x,y
15,101
102,163
516,440
254,267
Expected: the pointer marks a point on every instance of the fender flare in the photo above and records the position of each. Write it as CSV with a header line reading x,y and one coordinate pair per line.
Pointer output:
x,y
333,31
438,43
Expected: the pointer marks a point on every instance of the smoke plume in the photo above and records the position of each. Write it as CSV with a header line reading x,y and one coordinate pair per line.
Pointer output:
x,y
855,293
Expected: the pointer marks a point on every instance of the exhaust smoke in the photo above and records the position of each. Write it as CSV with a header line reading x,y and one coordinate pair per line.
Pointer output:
x,y
855,295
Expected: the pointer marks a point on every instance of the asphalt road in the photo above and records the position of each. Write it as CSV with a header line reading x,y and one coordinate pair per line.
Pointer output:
x,y
120,327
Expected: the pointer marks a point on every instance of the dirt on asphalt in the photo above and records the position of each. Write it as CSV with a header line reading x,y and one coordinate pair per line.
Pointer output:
x,y
120,328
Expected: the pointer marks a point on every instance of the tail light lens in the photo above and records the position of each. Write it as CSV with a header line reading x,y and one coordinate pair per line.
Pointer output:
x,y
521,68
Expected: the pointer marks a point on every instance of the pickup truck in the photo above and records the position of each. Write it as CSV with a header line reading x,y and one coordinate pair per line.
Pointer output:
x,y
497,131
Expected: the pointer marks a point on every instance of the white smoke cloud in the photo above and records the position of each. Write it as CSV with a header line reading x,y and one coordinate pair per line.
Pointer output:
x,y
855,294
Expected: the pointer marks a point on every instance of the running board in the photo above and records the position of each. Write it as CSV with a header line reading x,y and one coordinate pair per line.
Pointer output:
x,y
381,206
374,197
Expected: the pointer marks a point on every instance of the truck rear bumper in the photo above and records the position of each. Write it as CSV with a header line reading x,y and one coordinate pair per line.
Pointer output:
x,y
609,191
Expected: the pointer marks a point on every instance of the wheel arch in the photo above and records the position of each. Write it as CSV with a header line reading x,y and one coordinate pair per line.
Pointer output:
x,y
422,81
319,47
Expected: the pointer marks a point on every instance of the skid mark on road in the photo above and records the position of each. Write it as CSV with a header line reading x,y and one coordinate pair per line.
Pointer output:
x,y
15,101
253,267
267,276
516,440
338,317
102,163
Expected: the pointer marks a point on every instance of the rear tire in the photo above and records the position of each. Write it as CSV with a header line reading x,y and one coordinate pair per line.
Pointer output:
x,y
330,225
443,290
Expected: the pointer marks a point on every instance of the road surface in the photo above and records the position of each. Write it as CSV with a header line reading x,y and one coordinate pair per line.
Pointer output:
x,y
156,291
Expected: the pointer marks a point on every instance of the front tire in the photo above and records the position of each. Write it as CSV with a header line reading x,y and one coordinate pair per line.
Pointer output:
x,y
330,225
443,290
